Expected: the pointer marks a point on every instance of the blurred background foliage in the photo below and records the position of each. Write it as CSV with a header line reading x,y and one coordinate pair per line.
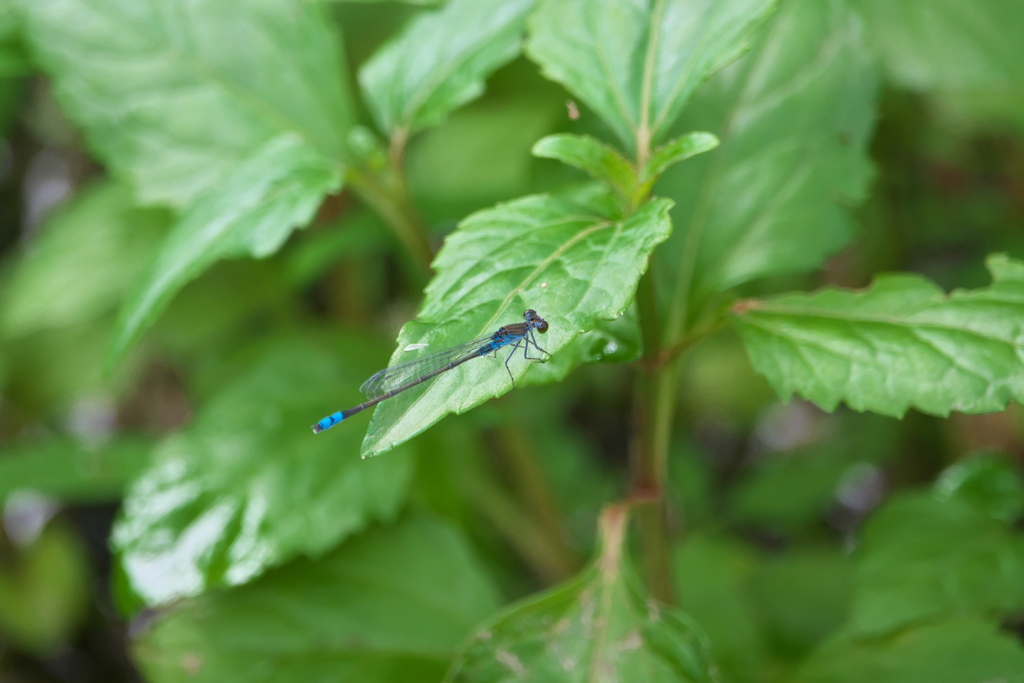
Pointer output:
x,y
796,527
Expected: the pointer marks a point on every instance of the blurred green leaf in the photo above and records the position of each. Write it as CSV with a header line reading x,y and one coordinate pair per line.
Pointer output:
x,y
12,96
440,61
938,44
718,382
51,371
572,266
388,606
213,316
175,100
446,165
979,111
44,590
246,486
990,483
14,60
963,650
691,479
802,596
357,237
789,491
794,118
71,471
408,2
83,261
636,64
712,577
597,627
251,214
923,558
901,343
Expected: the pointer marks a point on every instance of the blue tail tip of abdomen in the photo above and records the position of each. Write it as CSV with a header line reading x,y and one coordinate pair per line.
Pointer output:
x,y
327,422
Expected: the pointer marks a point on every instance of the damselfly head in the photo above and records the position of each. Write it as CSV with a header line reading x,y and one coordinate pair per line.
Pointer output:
x,y
539,323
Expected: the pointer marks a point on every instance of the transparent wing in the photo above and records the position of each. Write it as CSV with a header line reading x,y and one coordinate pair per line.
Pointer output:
x,y
399,375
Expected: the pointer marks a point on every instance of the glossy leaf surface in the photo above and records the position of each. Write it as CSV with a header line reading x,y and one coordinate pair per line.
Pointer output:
x,y
246,487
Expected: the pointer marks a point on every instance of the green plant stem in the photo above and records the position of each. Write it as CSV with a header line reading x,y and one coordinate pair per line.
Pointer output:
x,y
611,537
533,490
394,207
652,418
655,396
383,188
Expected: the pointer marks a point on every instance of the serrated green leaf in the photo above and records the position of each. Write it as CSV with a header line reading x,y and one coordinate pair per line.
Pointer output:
x,y
599,160
175,96
598,627
956,651
440,61
925,559
637,63
929,44
901,343
246,486
572,266
83,261
251,214
388,606
70,471
991,483
794,118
